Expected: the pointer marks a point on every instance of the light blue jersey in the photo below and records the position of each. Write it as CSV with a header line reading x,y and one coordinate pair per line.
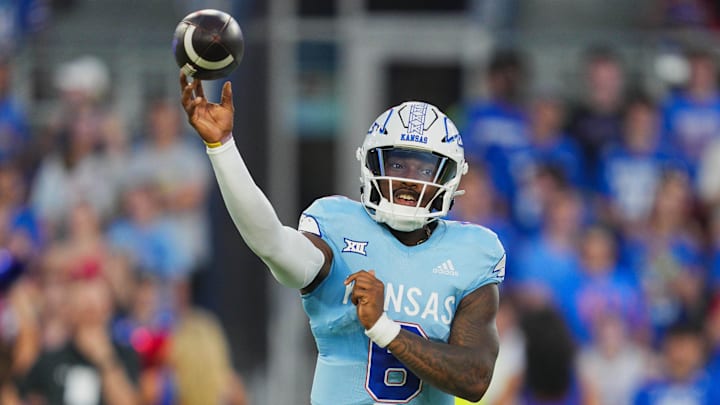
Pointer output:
x,y
423,286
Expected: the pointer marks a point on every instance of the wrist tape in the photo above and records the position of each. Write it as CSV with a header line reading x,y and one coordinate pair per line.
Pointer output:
x,y
384,331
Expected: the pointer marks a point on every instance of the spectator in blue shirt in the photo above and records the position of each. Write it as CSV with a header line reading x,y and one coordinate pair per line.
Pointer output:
x,y
480,204
683,379
691,116
145,236
596,121
498,122
666,253
602,288
715,249
19,18
630,172
547,263
14,128
549,148
549,143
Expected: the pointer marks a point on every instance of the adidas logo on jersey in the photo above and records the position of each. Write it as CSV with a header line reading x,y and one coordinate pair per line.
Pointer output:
x,y
446,269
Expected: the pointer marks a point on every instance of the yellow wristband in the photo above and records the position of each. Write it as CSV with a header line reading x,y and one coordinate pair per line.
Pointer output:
x,y
219,143
213,144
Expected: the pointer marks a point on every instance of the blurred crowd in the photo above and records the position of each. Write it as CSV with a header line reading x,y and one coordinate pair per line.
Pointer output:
x,y
102,232
609,207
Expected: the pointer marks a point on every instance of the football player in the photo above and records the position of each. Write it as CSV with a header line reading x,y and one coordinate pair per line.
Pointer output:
x,y
401,303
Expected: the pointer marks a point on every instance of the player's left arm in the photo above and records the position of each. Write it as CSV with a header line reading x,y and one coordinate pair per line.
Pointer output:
x,y
464,365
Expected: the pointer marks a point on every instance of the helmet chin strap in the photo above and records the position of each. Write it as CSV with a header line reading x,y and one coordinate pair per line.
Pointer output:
x,y
400,218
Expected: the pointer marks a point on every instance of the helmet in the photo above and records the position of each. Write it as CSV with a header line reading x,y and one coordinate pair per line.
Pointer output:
x,y
411,162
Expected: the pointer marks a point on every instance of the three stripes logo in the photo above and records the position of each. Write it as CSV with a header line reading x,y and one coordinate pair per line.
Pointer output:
x,y
446,269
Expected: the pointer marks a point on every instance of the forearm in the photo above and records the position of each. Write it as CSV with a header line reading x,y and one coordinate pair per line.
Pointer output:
x,y
462,371
291,257
117,387
27,347
27,341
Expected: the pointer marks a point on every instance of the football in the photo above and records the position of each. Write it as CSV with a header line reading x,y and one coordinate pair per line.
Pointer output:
x,y
208,44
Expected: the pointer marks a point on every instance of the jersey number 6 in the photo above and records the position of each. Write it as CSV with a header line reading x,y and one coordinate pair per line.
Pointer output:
x,y
388,380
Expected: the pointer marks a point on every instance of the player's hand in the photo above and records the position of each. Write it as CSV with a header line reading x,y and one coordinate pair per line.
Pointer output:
x,y
368,295
211,121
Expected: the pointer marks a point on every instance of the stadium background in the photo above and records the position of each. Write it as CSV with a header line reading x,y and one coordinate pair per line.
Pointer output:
x,y
315,73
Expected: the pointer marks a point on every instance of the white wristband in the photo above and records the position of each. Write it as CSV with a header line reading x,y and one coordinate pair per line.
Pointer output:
x,y
384,331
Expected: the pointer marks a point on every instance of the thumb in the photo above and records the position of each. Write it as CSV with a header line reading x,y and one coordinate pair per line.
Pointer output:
x,y
226,98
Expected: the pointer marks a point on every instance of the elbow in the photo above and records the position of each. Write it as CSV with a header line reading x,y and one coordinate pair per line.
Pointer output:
x,y
476,391
264,252
474,394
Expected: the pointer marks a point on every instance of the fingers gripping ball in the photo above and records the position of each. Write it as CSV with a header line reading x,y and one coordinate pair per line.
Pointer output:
x,y
208,44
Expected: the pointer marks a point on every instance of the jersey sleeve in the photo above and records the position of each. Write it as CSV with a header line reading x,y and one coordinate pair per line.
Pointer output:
x,y
492,268
320,216
310,224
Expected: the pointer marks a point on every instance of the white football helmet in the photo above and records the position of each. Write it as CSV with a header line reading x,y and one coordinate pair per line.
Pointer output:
x,y
410,166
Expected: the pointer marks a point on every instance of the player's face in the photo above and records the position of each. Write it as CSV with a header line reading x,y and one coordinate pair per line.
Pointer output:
x,y
409,167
